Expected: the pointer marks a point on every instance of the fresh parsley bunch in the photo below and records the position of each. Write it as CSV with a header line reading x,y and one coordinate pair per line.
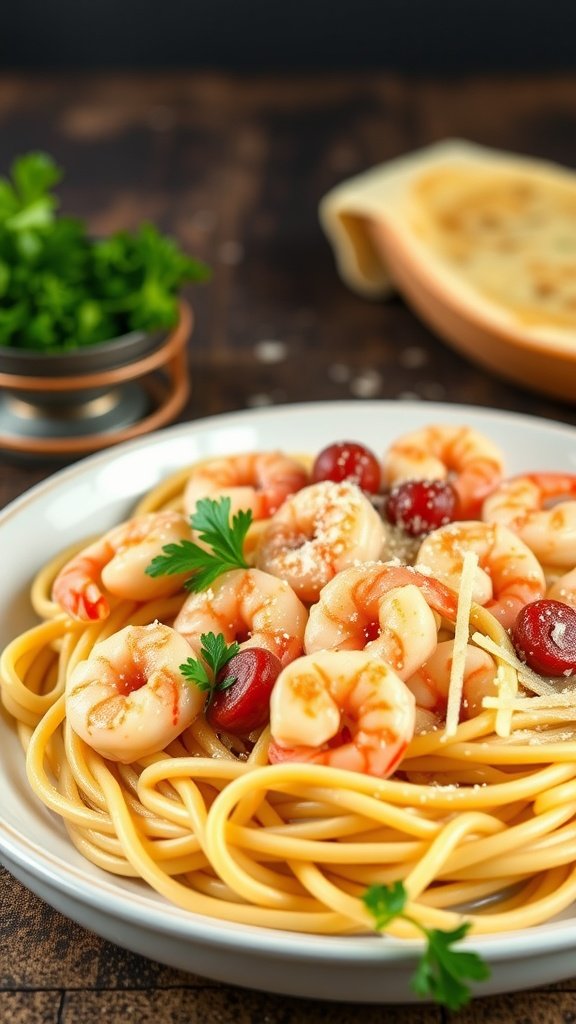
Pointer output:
x,y
60,288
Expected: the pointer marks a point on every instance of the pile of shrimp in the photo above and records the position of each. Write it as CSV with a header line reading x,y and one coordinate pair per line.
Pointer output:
x,y
325,584
363,623
325,581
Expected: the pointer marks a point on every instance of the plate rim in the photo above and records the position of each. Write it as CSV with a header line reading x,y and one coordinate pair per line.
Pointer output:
x,y
272,411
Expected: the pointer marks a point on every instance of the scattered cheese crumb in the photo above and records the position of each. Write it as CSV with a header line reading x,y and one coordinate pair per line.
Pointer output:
x,y
366,384
413,357
270,351
339,373
259,400
557,633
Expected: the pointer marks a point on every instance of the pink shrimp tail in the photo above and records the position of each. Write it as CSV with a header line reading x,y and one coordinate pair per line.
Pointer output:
x,y
278,754
474,485
440,597
340,752
87,604
552,485
268,501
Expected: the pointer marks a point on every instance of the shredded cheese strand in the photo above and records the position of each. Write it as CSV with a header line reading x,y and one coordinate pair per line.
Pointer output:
x,y
531,680
461,636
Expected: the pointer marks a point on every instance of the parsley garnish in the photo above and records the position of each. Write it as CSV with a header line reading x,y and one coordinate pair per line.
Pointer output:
x,y
212,521
215,653
442,970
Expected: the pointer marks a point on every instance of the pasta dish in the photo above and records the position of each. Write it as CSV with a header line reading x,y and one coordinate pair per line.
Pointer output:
x,y
286,679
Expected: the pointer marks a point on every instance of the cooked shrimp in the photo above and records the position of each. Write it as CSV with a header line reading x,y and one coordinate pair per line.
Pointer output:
x,y
431,682
388,610
346,709
508,574
317,533
259,481
472,462
128,699
250,606
520,503
116,561
564,588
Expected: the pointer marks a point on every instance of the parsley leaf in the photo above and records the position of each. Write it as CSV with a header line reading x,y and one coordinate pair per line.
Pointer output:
x,y
212,521
385,902
442,970
195,672
215,653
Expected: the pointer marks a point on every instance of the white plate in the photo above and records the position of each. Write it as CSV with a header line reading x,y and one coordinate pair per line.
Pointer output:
x,y
93,495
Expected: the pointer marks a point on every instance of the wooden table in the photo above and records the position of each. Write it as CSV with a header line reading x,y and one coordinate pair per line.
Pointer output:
x,y
235,168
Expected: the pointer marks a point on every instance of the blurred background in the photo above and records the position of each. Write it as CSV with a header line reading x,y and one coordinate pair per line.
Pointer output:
x,y
411,36
226,123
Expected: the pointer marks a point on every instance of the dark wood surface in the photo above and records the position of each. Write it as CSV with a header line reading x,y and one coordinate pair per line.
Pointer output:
x,y
235,167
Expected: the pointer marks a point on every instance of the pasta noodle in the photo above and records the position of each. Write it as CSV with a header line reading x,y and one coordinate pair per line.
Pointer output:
x,y
477,819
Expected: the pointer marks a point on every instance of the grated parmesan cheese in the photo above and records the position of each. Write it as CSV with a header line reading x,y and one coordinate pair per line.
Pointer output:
x,y
557,633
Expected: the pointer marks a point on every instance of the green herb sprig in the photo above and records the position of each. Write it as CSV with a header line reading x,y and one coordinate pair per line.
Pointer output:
x,y
214,654
442,970
60,288
226,540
